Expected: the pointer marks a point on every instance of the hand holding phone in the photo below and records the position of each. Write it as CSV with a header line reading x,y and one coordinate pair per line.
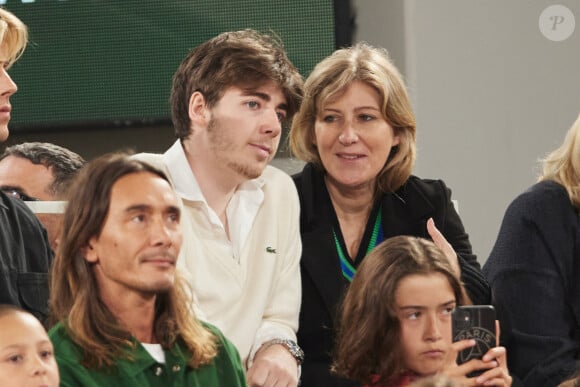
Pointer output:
x,y
474,322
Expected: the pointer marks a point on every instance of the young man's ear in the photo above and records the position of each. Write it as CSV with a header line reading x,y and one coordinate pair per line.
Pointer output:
x,y
199,113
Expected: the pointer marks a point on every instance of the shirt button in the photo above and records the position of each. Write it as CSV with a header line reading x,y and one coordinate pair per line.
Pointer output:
x,y
158,371
176,368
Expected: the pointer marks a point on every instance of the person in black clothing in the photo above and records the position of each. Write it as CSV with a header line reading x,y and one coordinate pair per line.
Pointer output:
x,y
356,132
534,271
25,254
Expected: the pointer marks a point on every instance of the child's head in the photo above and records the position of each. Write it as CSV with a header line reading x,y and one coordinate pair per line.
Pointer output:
x,y
26,353
396,313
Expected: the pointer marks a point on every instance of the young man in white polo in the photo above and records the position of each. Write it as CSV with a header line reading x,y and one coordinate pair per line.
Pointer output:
x,y
230,98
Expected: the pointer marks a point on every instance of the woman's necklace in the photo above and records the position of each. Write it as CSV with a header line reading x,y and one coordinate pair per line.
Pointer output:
x,y
348,270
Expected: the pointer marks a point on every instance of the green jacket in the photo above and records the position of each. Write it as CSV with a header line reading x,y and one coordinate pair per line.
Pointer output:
x,y
225,369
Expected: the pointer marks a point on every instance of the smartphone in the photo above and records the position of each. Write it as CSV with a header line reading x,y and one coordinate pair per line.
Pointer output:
x,y
475,322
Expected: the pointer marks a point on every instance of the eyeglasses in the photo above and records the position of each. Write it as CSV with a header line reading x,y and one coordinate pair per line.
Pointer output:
x,y
16,194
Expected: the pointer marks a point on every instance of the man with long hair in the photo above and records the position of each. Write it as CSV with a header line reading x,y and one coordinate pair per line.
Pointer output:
x,y
123,316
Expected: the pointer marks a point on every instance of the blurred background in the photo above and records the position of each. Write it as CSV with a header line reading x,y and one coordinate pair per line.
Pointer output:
x,y
494,84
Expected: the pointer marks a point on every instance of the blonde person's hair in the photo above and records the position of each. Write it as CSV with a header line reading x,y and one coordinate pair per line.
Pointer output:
x,y
563,164
13,36
330,78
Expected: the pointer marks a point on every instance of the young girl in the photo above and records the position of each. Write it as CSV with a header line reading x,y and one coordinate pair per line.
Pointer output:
x,y
26,355
395,323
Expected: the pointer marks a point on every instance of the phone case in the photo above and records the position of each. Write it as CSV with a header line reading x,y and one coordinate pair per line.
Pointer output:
x,y
475,322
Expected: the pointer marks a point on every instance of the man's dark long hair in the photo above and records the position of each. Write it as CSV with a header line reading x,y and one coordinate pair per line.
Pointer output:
x,y
74,293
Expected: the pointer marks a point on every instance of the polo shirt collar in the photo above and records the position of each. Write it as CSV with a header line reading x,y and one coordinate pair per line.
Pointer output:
x,y
140,360
184,180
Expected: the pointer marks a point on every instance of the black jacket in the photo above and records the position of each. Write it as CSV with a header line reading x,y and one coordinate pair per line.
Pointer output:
x,y
404,212
534,273
25,258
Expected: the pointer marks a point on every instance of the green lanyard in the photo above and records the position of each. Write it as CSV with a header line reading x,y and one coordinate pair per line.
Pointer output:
x,y
348,271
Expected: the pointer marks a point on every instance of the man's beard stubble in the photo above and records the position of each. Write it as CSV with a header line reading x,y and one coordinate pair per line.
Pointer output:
x,y
223,148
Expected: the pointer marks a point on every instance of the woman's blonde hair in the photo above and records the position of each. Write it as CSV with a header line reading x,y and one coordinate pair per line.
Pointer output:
x,y
13,36
563,164
330,78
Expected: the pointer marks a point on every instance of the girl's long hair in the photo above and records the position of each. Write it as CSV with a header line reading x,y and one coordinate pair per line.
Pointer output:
x,y
368,339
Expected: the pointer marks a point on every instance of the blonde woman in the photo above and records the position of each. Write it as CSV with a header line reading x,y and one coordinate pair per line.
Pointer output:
x,y
534,271
356,131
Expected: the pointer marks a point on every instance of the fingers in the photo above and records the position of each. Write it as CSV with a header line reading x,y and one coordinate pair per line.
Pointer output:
x,y
436,235
451,366
257,376
497,376
273,367
493,366
489,360
458,346
497,353
442,243
476,365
